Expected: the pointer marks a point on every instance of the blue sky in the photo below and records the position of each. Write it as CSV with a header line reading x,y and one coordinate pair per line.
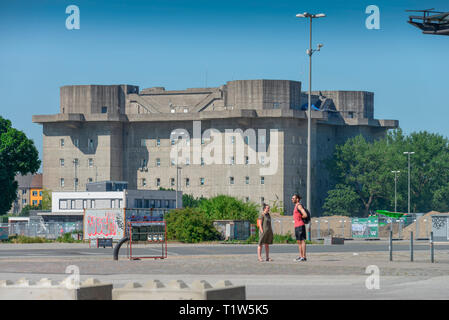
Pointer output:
x,y
184,44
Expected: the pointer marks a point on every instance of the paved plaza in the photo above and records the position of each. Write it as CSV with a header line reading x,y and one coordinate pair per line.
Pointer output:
x,y
331,272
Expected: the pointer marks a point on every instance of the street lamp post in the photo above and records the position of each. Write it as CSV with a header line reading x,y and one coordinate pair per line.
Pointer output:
x,y
396,172
408,153
177,175
310,52
75,180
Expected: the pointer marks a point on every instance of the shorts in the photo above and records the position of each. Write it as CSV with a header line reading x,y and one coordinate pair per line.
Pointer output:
x,y
300,233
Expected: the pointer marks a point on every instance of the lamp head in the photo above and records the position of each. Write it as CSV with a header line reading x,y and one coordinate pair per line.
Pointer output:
x,y
303,15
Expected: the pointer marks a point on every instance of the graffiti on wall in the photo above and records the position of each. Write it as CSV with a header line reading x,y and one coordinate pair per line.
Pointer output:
x,y
103,224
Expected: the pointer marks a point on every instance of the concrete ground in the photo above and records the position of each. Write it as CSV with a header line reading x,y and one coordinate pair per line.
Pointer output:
x,y
326,275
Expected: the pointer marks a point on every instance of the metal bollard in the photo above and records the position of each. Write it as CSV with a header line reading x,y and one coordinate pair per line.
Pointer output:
x,y
391,245
411,246
431,248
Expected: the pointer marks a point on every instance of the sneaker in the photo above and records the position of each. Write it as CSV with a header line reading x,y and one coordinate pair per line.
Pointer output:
x,y
303,259
297,259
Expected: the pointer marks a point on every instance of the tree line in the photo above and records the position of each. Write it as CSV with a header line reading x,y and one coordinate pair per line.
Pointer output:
x,y
17,155
363,181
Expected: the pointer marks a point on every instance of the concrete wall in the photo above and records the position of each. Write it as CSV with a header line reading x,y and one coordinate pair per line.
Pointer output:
x,y
262,94
216,176
358,103
89,99
106,152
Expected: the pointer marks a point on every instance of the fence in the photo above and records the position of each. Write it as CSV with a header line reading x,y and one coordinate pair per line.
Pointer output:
x,y
49,230
341,226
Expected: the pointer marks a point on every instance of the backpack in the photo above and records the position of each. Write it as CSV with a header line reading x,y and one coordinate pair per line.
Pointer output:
x,y
306,220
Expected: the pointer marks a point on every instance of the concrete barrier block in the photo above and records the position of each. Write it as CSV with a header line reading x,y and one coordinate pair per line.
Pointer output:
x,y
179,290
46,289
333,240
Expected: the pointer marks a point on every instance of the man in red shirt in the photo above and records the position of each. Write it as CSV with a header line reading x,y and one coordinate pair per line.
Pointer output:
x,y
300,229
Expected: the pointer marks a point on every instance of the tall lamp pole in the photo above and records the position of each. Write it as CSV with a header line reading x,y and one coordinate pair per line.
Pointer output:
x,y
177,175
75,180
408,153
178,168
396,172
310,52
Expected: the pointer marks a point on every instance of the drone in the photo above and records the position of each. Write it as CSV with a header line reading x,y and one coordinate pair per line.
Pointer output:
x,y
431,22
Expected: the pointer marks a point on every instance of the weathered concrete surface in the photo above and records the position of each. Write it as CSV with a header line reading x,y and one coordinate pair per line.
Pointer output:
x,y
340,275
48,289
179,290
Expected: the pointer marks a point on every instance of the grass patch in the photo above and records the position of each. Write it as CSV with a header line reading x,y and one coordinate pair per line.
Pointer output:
x,y
66,238
25,239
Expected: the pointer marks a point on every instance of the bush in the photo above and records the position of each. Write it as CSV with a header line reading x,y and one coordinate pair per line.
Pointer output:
x,y
284,238
224,207
26,210
190,225
189,201
4,218
67,238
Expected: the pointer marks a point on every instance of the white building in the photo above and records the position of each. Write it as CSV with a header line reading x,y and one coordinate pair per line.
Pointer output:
x,y
72,203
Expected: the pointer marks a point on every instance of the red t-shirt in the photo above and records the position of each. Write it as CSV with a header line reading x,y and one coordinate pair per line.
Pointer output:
x,y
297,216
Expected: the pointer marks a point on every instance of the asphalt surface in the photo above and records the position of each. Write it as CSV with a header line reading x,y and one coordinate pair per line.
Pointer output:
x,y
80,250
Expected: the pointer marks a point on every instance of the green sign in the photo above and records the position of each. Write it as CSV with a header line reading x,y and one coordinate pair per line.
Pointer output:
x,y
365,228
4,233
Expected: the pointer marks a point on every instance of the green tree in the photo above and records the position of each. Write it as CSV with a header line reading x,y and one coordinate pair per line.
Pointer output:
x,y
364,168
189,201
190,225
429,173
440,201
46,199
342,200
17,155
